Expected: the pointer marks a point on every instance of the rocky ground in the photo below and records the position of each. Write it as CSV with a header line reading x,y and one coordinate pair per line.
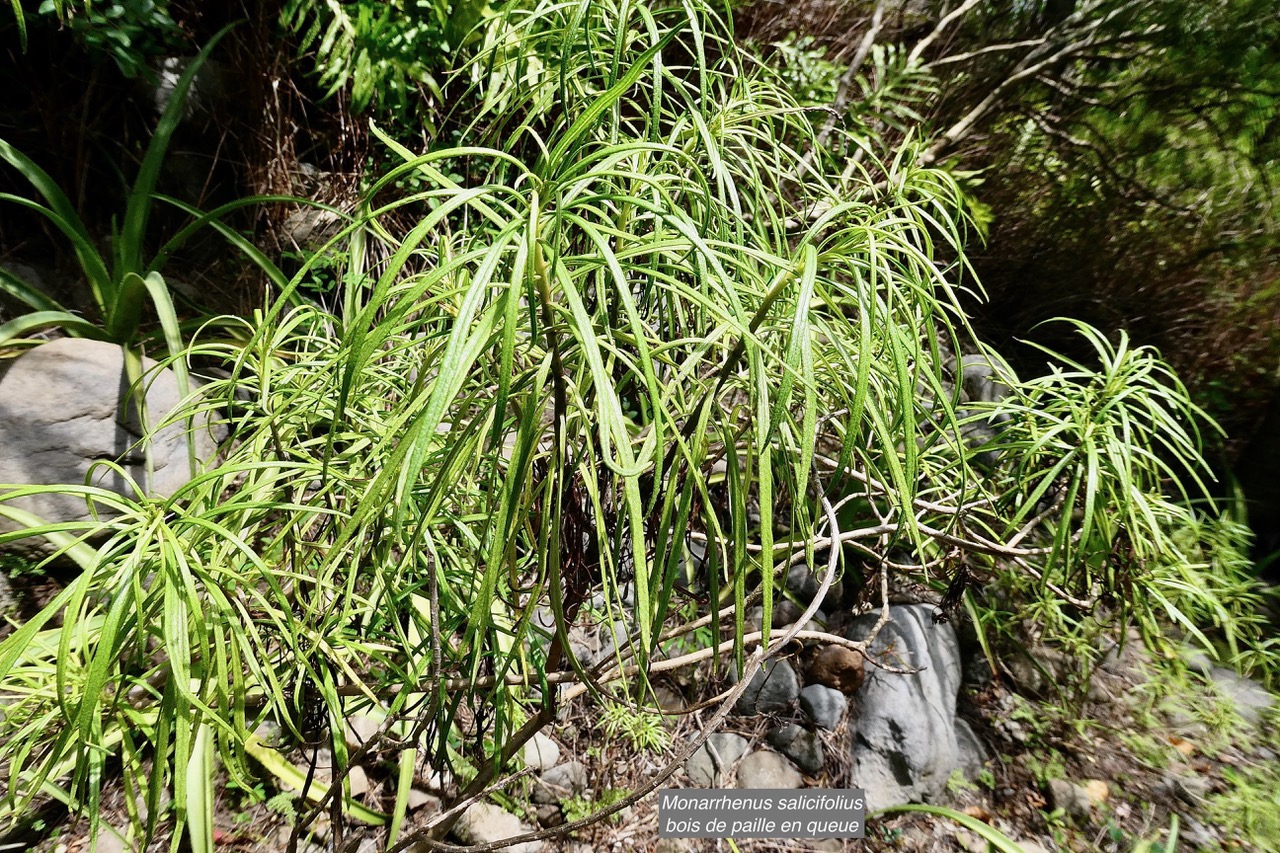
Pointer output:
x,y
1105,771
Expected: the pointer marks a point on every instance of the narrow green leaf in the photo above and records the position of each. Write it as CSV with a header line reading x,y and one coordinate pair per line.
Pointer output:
x,y
200,791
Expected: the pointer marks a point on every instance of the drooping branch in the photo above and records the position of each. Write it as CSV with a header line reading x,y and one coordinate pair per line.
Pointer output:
x,y
845,90
1073,39
945,22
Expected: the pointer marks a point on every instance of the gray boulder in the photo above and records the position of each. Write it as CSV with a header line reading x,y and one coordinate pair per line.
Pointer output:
x,y
65,407
801,746
1071,798
9,604
209,88
772,690
1250,698
485,823
560,783
824,705
802,582
767,770
310,227
711,764
905,748
984,379
972,754
540,752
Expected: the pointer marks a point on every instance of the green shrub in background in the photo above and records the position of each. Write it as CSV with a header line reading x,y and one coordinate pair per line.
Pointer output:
x,y
388,52
131,32
385,53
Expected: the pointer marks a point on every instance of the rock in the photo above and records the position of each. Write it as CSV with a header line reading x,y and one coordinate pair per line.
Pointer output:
x,y
9,605
905,748
64,289
209,88
358,781
1071,798
674,845
802,582
1200,837
63,409
824,845
1181,718
838,668
363,728
1250,698
1191,788
766,769
560,783
696,561
801,746
589,644
1096,790
308,178
611,635
1040,670
270,733
1126,656
971,753
26,274
140,800
422,800
438,780
584,642
540,752
977,670
1027,674
1032,847
670,701
711,764
310,227
111,840
485,823
824,705
323,761
969,842
785,612
772,690
783,735
983,380
549,815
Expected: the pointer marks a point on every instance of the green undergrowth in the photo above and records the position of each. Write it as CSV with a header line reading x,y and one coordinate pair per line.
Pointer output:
x,y
1165,741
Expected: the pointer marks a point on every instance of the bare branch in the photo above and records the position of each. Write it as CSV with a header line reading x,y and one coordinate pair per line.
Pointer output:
x,y
1073,38
845,90
946,21
992,48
